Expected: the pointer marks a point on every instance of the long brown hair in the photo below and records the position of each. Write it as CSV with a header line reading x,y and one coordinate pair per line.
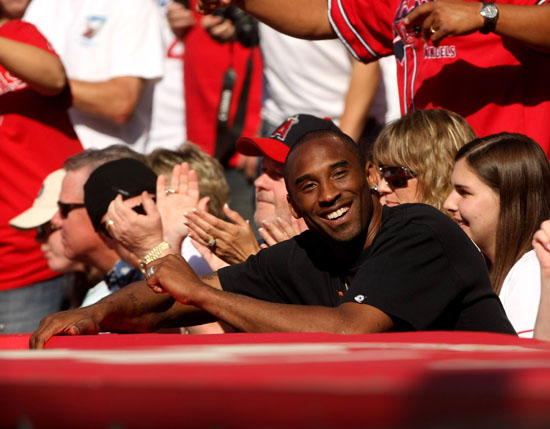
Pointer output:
x,y
516,168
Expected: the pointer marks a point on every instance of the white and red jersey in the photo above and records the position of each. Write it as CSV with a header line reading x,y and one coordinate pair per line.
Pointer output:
x,y
36,136
496,84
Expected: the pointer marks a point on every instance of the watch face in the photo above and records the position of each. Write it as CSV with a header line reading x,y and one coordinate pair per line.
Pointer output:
x,y
489,10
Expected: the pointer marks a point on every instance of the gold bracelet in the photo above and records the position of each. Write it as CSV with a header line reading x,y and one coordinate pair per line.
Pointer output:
x,y
153,254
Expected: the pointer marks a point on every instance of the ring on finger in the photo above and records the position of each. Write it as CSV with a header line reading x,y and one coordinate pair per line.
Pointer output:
x,y
170,191
433,30
150,271
109,222
211,243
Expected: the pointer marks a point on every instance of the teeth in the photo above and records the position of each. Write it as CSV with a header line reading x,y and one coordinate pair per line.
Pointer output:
x,y
337,213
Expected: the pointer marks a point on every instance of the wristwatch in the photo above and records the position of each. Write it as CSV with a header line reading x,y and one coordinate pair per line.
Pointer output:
x,y
489,12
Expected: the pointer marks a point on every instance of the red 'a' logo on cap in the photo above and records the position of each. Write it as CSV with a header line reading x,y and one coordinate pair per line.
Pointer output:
x,y
281,132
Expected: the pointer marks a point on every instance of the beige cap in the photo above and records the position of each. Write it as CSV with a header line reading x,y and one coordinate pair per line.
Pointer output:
x,y
45,204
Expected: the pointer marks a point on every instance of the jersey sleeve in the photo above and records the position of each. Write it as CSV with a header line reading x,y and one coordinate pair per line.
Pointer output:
x,y
25,32
363,26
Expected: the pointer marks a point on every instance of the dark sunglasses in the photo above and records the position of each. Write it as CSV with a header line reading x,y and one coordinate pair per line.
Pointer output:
x,y
103,225
66,208
395,176
44,231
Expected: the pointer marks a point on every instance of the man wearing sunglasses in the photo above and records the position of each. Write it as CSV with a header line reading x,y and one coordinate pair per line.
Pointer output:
x,y
82,242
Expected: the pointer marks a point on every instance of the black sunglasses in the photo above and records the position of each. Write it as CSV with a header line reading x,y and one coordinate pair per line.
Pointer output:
x,y
66,208
103,225
395,176
44,231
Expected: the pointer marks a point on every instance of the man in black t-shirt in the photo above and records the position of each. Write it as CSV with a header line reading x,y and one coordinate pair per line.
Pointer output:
x,y
359,268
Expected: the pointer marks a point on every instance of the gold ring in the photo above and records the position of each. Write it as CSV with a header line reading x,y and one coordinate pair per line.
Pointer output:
x,y
109,222
170,191
433,30
211,243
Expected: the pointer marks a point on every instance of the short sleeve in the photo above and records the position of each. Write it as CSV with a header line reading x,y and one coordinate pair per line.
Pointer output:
x,y
363,26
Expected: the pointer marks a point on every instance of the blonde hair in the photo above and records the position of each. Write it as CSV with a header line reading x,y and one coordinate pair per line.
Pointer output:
x,y
425,141
212,182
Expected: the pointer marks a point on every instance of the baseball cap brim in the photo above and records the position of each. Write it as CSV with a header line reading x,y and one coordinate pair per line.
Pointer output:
x,y
260,146
44,206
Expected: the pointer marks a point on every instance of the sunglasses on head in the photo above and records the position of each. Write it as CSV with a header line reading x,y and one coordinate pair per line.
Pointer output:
x,y
44,231
103,225
395,176
66,208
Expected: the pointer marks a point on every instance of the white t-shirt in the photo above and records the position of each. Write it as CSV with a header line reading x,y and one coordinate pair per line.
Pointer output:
x,y
168,122
302,76
98,40
520,294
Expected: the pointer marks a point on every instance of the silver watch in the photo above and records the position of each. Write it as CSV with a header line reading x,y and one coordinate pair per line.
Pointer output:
x,y
489,12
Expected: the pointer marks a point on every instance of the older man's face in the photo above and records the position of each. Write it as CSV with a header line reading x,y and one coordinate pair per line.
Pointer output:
x,y
79,237
271,201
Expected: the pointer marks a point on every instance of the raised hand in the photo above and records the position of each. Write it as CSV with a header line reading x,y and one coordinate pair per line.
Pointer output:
x,y
173,201
232,242
280,230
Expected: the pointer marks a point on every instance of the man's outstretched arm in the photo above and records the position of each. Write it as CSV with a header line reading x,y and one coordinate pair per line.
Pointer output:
x,y
134,308
173,275
306,19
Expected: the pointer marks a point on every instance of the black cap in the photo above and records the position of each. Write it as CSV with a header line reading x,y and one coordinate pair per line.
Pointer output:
x,y
284,137
128,177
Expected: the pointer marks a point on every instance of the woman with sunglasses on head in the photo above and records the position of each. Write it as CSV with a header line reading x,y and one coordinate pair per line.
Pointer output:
x,y
414,156
500,197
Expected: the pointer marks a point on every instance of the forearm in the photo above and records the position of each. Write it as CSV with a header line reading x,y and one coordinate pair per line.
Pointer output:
x,y
362,90
527,24
114,99
251,315
41,70
306,19
136,308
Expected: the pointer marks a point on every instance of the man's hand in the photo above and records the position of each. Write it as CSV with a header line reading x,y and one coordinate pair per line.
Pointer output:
x,y
137,233
179,18
207,7
220,29
172,274
72,322
445,18
231,242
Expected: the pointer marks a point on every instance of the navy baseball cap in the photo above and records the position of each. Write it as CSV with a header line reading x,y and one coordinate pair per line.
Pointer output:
x,y
284,137
128,177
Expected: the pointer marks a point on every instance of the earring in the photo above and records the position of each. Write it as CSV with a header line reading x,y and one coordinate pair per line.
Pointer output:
x,y
375,188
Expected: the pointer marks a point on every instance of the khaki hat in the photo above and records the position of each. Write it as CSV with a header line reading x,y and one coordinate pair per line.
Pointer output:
x,y
45,204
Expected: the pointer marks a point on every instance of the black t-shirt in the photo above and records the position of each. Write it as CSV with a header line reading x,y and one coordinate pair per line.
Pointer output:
x,y
421,270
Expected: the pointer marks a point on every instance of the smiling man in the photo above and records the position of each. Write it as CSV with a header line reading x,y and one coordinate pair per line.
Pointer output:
x,y
360,268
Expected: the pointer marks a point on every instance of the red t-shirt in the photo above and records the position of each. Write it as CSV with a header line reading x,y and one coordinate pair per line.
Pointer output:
x,y
497,85
205,62
36,136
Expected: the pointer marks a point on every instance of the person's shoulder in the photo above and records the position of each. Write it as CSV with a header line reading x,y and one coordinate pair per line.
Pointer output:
x,y
417,213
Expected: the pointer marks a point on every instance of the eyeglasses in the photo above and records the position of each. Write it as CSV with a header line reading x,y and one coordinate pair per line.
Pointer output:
x,y
395,176
103,225
66,208
44,231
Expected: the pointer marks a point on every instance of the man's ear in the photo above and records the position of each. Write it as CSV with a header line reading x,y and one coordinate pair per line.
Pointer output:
x,y
293,210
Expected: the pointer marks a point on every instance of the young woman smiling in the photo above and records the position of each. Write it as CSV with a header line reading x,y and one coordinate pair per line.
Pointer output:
x,y
500,196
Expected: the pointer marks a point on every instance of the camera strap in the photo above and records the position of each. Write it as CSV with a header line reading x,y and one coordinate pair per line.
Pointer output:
x,y
226,136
